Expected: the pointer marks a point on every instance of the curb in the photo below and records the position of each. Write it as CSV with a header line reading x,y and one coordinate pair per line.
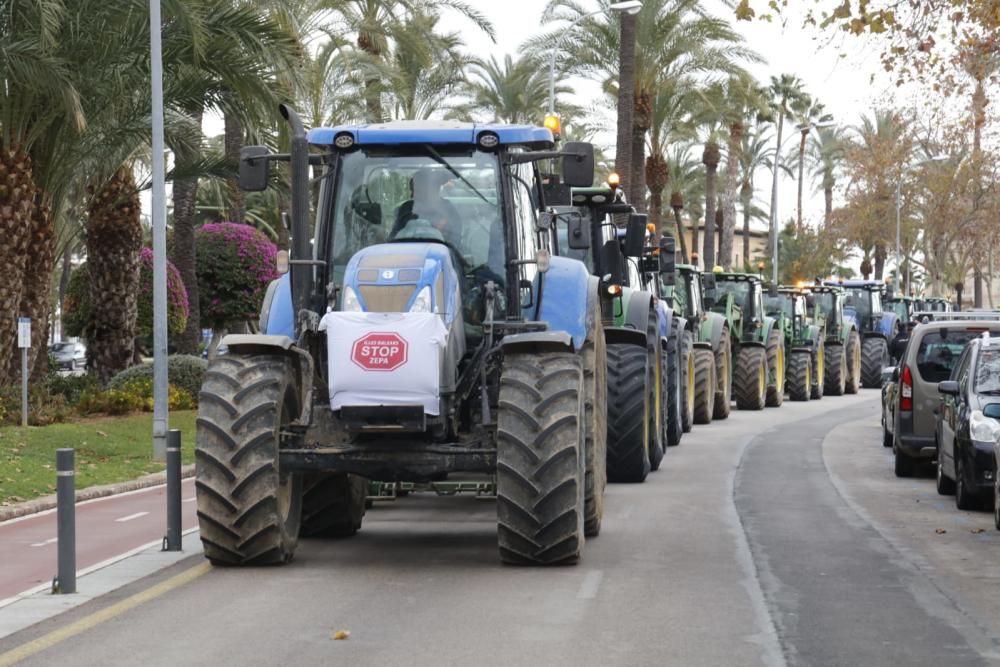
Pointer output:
x,y
91,492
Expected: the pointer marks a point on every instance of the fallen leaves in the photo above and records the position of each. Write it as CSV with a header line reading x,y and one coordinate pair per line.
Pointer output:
x,y
341,634
940,531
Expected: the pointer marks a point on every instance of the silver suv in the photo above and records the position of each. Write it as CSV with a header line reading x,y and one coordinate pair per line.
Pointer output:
x,y
909,410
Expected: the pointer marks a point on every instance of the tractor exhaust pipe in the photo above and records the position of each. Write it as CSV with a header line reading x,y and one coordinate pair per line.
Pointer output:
x,y
301,268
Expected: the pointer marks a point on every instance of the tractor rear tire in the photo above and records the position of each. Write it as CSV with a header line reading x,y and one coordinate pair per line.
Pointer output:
x,y
853,384
675,401
631,422
775,368
818,363
874,357
249,509
687,383
704,385
541,465
750,378
836,370
800,375
333,504
723,377
595,401
658,443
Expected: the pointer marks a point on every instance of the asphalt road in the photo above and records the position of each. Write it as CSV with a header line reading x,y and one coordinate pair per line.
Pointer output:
x,y
771,538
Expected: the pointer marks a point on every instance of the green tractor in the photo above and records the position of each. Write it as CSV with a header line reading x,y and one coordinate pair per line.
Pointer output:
x,y
805,334
843,341
705,342
756,344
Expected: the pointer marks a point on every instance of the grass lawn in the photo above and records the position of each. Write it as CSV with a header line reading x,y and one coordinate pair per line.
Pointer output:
x,y
108,449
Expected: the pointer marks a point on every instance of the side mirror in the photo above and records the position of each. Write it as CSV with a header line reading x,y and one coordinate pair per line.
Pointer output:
x,y
255,168
577,232
772,290
545,221
635,235
578,164
707,282
612,262
949,387
887,374
668,259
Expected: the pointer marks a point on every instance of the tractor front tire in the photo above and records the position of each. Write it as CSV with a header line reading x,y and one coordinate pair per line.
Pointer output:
x,y
853,384
800,376
687,383
595,401
675,400
750,378
704,385
874,357
333,504
249,509
631,421
775,368
818,370
723,377
836,370
541,463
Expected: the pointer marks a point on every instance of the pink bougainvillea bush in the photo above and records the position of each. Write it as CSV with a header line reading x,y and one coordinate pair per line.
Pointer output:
x,y
234,264
177,297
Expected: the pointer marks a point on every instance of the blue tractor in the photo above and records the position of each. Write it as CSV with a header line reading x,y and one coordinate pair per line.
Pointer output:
x,y
878,327
424,329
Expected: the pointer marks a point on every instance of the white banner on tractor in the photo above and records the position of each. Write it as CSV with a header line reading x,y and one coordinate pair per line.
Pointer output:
x,y
385,359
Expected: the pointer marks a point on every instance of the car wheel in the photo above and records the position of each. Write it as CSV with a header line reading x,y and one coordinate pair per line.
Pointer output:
x,y
964,500
886,435
903,465
945,486
996,503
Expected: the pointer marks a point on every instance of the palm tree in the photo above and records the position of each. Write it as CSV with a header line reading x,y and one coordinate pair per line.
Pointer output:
x,y
514,91
755,154
806,112
670,124
784,90
826,152
686,185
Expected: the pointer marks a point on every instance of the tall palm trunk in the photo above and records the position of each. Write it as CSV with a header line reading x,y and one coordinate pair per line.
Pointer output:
x,y
802,161
641,122
734,155
373,87
35,297
710,158
746,201
114,238
185,192
677,203
657,177
626,101
17,191
236,206
827,202
880,256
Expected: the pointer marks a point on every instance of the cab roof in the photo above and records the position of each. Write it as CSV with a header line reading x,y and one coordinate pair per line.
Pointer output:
x,y
866,284
430,132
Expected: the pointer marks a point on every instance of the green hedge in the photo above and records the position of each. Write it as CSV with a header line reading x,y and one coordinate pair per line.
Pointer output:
x,y
183,370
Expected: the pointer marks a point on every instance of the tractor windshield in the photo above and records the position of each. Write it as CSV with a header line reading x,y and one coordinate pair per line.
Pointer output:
x,y
385,194
865,302
826,301
740,289
781,303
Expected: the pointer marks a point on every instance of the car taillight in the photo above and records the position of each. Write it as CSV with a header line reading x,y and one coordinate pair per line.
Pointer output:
x,y
906,390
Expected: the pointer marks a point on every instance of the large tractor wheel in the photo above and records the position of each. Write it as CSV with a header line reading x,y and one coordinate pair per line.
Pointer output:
x,y
750,378
874,357
687,382
818,370
723,376
853,384
631,418
541,465
675,400
595,401
836,370
333,504
704,383
248,507
775,368
800,376
658,441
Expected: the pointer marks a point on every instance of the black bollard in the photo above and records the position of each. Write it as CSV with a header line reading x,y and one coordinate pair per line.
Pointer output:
x,y
172,542
66,522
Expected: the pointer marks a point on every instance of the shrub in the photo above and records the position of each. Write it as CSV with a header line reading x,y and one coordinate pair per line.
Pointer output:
x,y
183,371
70,387
109,402
44,407
234,265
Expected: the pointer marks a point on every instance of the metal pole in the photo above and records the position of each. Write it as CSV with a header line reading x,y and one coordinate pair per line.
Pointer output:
x,y
24,386
159,215
774,203
65,522
552,58
172,542
899,180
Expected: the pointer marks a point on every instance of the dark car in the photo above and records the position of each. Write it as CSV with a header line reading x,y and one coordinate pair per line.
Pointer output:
x,y
967,426
69,355
910,409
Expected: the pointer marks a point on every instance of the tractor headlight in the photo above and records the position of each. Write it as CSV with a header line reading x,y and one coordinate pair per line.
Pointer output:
x,y
422,302
982,428
350,302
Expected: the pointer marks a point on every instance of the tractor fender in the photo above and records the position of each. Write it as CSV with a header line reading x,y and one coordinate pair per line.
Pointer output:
x,y
537,342
768,323
276,313
565,299
665,322
624,335
888,324
636,314
711,329
283,345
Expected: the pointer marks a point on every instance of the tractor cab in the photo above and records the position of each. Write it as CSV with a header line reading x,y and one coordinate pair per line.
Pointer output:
x,y
747,292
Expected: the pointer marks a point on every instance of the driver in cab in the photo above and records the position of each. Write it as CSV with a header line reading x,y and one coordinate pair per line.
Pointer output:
x,y
427,214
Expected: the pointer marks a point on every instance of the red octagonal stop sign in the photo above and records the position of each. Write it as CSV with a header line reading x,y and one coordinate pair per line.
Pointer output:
x,y
379,351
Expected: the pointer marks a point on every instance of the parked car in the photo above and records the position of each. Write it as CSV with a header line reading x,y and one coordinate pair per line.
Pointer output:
x,y
69,355
909,410
967,426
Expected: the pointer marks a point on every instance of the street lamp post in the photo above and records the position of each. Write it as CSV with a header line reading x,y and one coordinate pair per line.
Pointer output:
x,y
628,7
159,216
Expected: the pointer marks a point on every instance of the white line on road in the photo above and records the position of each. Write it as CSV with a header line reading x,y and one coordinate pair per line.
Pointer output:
x,y
191,499
591,584
48,541
131,516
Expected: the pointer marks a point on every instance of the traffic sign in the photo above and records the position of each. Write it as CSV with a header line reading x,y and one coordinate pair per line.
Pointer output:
x,y
24,332
379,351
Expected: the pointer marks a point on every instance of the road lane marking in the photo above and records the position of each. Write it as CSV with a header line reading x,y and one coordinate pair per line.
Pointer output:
x,y
130,517
48,541
591,584
49,640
